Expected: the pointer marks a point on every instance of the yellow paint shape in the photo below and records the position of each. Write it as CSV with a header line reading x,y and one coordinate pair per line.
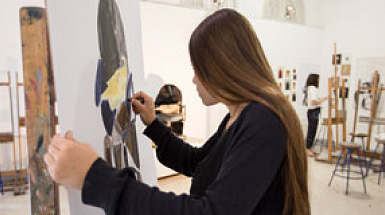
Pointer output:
x,y
116,86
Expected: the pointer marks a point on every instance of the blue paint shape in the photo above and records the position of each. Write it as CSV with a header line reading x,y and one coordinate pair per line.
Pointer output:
x,y
39,77
108,117
35,12
98,86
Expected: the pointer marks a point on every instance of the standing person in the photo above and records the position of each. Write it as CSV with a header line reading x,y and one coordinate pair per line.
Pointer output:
x,y
255,163
313,101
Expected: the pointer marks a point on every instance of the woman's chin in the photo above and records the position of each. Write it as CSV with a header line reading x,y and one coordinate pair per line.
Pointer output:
x,y
209,103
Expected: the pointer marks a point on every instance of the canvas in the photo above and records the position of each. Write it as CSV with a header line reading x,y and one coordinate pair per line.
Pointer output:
x,y
77,54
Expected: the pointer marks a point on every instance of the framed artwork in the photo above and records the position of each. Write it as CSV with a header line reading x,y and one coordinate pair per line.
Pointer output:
x,y
287,85
287,74
294,85
338,60
346,69
280,75
294,97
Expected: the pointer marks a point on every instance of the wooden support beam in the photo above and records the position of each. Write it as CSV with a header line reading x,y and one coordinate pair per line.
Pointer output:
x,y
336,90
330,120
373,88
37,81
344,112
372,109
356,109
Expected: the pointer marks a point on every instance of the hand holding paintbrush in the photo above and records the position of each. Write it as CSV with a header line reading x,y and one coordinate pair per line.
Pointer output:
x,y
143,105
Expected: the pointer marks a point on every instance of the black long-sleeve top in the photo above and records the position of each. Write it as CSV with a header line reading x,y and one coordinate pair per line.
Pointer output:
x,y
237,171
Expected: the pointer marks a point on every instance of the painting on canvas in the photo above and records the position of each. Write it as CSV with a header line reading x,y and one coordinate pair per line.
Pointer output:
x,y
97,56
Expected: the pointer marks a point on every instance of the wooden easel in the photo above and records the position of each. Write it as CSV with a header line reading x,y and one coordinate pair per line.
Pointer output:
x,y
372,120
10,136
374,106
21,173
356,109
334,88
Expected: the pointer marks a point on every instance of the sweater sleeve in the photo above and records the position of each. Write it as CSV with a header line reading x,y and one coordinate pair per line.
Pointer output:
x,y
175,153
255,156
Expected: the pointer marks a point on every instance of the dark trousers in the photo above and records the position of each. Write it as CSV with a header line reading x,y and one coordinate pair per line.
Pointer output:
x,y
312,119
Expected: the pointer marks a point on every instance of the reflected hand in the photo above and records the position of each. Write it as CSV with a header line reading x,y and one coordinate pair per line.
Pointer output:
x,y
68,160
146,110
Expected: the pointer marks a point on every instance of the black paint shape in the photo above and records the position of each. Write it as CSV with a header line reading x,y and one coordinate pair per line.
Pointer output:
x,y
98,88
39,143
112,42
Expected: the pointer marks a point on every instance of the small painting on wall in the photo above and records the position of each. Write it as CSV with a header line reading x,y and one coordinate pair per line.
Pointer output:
x,y
288,72
346,69
287,85
336,60
280,72
294,97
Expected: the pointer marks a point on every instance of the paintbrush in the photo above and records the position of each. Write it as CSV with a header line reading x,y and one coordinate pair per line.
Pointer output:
x,y
141,100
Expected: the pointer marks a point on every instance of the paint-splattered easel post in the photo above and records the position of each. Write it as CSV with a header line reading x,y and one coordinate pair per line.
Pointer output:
x,y
39,108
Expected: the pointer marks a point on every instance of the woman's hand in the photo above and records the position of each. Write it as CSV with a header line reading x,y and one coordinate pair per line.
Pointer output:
x,y
68,160
319,101
146,110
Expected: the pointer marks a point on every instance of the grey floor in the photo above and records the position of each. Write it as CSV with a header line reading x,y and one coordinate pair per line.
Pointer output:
x,y
324,200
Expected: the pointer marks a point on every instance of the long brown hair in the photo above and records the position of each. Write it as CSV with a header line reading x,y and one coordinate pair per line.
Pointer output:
x,y
229,61
312,80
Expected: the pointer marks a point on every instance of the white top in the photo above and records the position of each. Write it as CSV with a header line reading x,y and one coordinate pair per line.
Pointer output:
x,y
312,95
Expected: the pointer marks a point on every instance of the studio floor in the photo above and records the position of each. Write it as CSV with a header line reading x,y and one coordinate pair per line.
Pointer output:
x,y
324,200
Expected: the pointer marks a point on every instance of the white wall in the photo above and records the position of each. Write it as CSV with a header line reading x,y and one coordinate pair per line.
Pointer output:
x,y
312,10
250,8
166,33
